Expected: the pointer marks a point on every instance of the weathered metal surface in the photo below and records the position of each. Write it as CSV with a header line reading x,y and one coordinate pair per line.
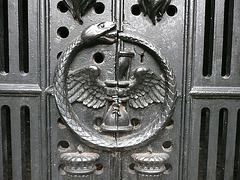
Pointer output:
x,y
79,8
23,128
79,164
154,8
118,104
150,165
127,89
141,90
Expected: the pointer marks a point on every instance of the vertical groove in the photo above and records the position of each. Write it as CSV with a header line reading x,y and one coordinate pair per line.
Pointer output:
x,y
222,137
25,132
4,57
203,149
208,38
6,142
237,150
23,36
227,37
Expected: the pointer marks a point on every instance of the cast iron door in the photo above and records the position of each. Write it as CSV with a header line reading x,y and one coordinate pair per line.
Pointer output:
x,y
115,79
119,89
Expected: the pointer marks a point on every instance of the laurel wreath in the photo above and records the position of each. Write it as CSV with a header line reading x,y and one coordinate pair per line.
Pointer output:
x,y
93,138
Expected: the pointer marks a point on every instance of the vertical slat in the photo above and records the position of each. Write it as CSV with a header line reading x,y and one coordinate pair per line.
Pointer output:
x,y
25,130
34,9
230,144
222,138
194,142
208,37
227,40
23,36
23,141
218,39
199,18
35,146
16,142
212,146
203,143
6,154
13,36
4,58
236,40
2,36
40,26
5,142
2,150
236,174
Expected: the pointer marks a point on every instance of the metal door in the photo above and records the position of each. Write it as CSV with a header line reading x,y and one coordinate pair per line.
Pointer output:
x,y
126,89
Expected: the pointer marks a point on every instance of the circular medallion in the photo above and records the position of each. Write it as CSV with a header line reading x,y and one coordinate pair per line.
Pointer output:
x,y
131,107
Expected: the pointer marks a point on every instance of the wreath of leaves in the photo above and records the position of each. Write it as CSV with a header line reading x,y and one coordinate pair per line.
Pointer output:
x,y
105,142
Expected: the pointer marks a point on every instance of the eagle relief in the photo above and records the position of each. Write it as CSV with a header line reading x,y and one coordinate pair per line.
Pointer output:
x,y
143,88
125,94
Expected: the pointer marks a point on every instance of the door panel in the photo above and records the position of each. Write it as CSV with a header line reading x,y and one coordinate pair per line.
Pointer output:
x,y
127,89
119,165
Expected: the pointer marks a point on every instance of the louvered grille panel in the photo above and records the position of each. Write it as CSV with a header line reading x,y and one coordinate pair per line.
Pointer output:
x,y
201,41
213,146
23,130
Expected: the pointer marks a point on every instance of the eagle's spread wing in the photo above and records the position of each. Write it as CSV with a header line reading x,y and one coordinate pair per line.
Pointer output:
x,y
84,86
146,88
